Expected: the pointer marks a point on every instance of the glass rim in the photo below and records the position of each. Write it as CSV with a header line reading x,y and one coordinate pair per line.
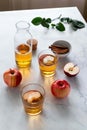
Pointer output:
x,y
47,50
33,83
21,22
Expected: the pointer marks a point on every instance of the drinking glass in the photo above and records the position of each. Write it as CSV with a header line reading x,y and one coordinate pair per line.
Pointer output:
x,y
47,62
23,50
33,97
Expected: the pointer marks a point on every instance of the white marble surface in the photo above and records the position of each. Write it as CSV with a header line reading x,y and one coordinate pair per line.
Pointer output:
x,y
66,114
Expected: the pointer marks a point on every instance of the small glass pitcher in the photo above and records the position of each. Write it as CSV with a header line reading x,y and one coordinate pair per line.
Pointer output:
x,y
23,48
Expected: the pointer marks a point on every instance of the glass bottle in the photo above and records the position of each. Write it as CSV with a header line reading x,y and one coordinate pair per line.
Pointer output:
x,y
23,48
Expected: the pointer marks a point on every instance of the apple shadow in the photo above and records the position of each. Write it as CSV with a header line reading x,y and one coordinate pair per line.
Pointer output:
x,y
74,81
13,94
62,107
62,61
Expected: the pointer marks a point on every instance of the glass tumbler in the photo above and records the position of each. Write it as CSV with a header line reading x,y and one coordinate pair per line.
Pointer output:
x,y
47,62
23,50
33,97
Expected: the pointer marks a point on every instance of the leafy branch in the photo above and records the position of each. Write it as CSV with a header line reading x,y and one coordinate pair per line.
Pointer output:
x,y
48,22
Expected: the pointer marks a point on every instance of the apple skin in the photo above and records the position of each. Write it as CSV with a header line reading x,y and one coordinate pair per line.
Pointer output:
x,y
69,75
60,88
75,69
12,77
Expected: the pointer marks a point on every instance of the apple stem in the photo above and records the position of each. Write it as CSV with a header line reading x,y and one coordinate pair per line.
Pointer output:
x,y
71,69
75,65
12,71
60,83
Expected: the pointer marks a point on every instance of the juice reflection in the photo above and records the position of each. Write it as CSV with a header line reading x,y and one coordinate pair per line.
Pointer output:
x,y
36,122
48,81
25,74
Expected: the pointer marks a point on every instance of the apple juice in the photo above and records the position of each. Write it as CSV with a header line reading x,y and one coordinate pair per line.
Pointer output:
x,y
23,55
48,64
33,102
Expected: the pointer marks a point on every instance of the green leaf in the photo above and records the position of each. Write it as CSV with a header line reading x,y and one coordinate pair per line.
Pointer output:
x,y
37,21
66,20
53,25
44,23
60,27
74,28
78,24
48,20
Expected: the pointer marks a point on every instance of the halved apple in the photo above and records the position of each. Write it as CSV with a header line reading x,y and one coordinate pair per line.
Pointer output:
x,y
71,70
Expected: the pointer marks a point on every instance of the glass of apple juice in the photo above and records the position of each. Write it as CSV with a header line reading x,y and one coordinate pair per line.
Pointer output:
x,y
23,50
47,62
33,97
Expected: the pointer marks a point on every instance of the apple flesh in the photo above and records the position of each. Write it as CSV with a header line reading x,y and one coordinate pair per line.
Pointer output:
x,y
12,77
71,70
60,88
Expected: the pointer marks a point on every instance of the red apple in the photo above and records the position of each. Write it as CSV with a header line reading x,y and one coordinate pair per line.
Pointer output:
x,y
71,70
60,88
12,77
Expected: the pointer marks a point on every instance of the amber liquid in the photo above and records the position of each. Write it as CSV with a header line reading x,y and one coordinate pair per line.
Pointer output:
x,y
33,102
47,69
23,55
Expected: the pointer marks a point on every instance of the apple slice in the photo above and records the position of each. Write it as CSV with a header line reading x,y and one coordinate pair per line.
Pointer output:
x,y
71,70
48,60
32,96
